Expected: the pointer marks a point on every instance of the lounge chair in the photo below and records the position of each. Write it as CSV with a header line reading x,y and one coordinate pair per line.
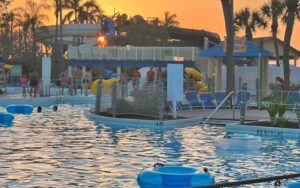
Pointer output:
x,y
184,105
219,97
207,100
193,99
180,105
238,99
293,97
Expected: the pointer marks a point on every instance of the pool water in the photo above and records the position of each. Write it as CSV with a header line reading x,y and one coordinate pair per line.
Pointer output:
x,y
65,149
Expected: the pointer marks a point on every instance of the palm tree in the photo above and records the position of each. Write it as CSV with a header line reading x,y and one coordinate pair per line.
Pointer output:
x,y
120,20
81,12
250,21
18,20
274,11
170,19
227,6
34,15
292,8
14,19
56,30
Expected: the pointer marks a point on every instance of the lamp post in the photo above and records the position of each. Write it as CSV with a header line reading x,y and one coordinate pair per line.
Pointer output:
x,y
60,37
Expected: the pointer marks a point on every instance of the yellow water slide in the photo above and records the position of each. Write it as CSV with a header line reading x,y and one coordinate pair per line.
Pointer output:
x,y
106,85
198,76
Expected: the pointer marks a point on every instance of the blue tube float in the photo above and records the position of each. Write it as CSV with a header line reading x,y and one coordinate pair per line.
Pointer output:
x,y
161,176
6,119
238,142
293,185
19,109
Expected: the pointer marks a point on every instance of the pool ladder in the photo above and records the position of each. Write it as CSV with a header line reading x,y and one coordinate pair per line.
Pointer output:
x,y
58,94
218,107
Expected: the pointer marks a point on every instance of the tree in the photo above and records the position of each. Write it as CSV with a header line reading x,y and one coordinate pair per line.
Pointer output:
x,y
56,12
120,20
81,12
273,11
227,6
170,19
140,33
250,21
292,8
5,40
34,16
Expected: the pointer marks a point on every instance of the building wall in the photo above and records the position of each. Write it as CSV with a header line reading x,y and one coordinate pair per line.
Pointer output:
x,y
250,74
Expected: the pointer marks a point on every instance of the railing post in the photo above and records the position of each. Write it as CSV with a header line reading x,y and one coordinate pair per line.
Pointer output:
x,y
258,101
232,101
243,103
113,99
209,84
173,52
118,52
122,90
213,86
240,83
98,98
136,53
161,101
160,53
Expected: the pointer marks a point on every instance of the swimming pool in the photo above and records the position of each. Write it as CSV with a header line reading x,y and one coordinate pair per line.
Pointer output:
x,y
65,149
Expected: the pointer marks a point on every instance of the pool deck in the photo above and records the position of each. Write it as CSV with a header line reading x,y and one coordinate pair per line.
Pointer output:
x,y
221,114
229,114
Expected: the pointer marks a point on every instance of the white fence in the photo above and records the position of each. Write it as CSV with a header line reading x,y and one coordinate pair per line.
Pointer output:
x,y
133,53
249,74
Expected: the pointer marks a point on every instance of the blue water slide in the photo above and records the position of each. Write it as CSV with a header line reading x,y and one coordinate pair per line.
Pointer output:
x,y
109,74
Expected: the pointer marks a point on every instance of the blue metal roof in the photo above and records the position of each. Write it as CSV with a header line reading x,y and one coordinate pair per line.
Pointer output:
x,y
127,63
252,50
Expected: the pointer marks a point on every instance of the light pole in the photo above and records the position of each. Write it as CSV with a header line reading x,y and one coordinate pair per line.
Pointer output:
x,y
60,37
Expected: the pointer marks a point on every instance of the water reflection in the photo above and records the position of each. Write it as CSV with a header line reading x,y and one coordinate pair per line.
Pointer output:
x,y
64,149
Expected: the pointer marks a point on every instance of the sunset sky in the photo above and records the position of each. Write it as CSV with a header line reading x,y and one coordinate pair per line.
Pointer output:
x,y
197,14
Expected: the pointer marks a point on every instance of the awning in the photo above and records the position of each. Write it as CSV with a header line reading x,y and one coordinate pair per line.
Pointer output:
x,y
252,50
126,63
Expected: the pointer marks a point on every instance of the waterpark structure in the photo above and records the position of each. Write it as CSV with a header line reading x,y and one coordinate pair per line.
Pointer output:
x,y
79,40
203,53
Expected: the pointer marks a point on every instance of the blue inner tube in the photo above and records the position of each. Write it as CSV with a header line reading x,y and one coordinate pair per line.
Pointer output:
x,y
6,119
293,185
19,109
173,176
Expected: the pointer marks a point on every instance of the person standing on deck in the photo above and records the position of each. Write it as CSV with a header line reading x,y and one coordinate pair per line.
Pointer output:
x,y
34,79
87,80
136,75
77,80
150,76
24,83
63,83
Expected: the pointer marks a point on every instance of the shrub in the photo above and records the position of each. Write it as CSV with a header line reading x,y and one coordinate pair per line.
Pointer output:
x,y
282,105
281,121
272,110
276,109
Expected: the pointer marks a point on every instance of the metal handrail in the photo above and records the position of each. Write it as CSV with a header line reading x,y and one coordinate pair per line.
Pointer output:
x,y
58,94
218,107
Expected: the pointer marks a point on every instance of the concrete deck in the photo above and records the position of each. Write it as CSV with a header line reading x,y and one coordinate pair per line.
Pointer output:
x,y
221,114
229,114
